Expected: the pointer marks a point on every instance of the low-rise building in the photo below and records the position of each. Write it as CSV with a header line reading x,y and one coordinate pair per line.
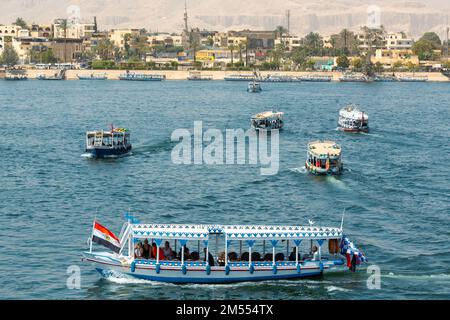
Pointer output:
x,y
63,28
116,36
398,41
390,57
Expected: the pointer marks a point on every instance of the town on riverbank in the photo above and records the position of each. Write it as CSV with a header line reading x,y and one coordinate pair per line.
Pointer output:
x,y
34,50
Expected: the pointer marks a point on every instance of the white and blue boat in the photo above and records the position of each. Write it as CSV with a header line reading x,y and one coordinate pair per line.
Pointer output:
x,y
240,77
254,87
187,253
132,76
108,144
316,78
92,76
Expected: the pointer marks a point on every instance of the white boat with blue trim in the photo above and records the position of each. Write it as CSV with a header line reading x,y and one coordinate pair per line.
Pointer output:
x,y
221,253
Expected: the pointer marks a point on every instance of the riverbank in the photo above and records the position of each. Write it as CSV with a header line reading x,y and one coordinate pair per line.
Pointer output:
x,y
217,75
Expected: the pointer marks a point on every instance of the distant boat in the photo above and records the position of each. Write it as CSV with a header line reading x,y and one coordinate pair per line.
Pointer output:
x,y
131,76
353,77
268,120
316,78
197,76
254,87
351,119
92,76
413,78
15,77
61,75
240,77
279,78
385,78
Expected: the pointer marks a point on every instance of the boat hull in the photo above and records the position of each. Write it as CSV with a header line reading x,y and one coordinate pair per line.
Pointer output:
x,y
354,130
200,273
108,152
324,172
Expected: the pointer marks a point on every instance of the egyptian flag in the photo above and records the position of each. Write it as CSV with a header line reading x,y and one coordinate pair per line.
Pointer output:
x,y
106,238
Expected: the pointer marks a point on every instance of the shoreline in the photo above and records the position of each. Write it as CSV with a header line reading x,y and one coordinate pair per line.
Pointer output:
x,y
219,75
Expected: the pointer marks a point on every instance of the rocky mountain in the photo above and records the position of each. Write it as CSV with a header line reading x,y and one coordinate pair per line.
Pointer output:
x,y
324,16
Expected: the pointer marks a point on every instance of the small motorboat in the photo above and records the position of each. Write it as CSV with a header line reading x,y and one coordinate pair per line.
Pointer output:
x,y
254,87
351,119
324,158
108,144
268,120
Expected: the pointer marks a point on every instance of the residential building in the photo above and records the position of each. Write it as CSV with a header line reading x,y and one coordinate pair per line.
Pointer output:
x,y
116,36
398,41
41,31
389,57
67,50
73,30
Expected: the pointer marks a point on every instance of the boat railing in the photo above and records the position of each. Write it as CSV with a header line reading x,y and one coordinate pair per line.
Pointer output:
x,y
235,264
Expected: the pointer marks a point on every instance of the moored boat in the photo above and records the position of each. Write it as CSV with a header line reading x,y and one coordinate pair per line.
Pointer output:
x,y
316,78
132,76
60,75
240,77
413,78
352,119
268,120
324,158
254,87
353,77
221,253
105,144
198,76
385,78
14,77
92,76
279,78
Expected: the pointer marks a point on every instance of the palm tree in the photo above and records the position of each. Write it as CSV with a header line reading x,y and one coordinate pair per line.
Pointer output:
x,y
279,32
231,47
64,25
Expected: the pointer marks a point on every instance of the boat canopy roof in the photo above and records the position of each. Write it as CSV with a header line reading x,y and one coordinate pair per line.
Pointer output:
x,y
233,232
353,112
108,132
267,115
324,148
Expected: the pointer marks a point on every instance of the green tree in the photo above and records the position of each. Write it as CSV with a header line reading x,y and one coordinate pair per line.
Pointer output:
x,y
9,57
279,32
21,23
432,38
104,49
232,47
357,63
424,49
313,43
378,67
342,62
345,43
64,24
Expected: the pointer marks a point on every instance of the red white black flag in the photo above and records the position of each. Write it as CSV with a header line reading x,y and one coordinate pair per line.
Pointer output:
x,y
106,238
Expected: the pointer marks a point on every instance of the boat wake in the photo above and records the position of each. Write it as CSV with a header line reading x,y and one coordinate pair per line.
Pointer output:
x,y
299,170
425,277
336,182
87,155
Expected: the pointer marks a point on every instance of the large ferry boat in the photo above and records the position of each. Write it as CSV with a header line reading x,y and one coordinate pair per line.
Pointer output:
x,y
240,77
316,78
132,76
113,143
188,253
354,77
352,119
268,120
324,158
198,76
92,76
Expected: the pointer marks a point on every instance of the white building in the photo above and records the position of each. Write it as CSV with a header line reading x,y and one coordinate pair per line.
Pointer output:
x,y
116,36
398,41
74,30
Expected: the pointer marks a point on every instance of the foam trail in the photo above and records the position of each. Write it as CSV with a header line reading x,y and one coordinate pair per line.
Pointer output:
x,y
299,170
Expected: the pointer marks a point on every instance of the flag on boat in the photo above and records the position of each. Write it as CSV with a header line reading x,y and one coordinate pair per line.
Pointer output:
x,y
106,238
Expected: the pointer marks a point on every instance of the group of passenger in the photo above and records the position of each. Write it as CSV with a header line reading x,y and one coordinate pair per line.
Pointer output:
x,y
143,250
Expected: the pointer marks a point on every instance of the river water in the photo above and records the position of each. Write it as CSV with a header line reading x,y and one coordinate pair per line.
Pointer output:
x,y
395,188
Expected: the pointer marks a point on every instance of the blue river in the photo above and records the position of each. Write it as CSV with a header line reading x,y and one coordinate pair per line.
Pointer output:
x,y
395,188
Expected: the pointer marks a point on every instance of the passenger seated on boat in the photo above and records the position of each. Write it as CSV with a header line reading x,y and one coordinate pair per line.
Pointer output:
x,y
315,253
195,256
268,257
154,252
138,251
210,258
186,253
279,256
221,259
232,256
168,252
292,256
146,249
244,256
256,256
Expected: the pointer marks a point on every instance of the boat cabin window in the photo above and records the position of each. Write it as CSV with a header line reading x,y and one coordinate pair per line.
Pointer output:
x,y
261,251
